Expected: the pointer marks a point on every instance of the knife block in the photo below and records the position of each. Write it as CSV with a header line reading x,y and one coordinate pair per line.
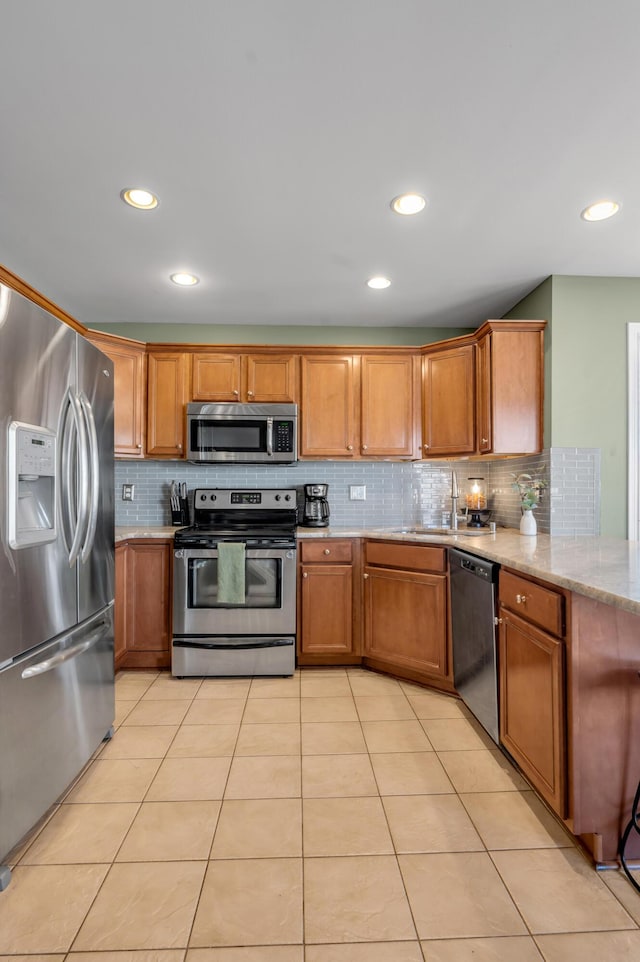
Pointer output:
x,y
181,517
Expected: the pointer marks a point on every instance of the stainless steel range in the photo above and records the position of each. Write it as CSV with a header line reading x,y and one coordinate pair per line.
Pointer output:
x,y
234,584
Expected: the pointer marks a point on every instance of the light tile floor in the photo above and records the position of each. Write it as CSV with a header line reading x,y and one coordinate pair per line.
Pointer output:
x,y
337,816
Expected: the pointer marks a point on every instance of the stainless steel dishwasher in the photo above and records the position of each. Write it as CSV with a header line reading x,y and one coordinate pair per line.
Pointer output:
x,y
473,624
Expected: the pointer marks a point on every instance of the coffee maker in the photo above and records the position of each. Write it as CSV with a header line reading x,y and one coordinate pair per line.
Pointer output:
x,y
316,507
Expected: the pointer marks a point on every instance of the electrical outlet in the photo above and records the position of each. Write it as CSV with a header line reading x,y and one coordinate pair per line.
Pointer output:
x,y
357,492
128,491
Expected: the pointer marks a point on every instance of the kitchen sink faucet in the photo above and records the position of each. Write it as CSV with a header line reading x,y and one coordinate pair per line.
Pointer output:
x,y
454,501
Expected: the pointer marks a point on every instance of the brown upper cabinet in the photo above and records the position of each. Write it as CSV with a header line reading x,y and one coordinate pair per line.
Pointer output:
x,y
483,393
510,387
130,392
168,393
260,378
448,402
359,406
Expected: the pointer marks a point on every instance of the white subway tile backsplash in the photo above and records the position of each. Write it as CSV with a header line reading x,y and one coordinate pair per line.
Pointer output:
x,y
398,493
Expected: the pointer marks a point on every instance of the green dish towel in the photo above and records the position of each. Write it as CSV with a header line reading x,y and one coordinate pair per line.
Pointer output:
x,y
231,586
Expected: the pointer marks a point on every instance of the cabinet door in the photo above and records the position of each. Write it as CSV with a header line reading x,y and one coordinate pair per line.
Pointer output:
x,y
510,392
532,722
448,402
120,639
148,605
389,398
271,378
129,388
326,610
216,377
406,619
483,394
168,391
329,427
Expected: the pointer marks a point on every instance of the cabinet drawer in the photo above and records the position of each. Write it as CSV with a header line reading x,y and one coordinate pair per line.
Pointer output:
x,y
541,606
416,557
327,551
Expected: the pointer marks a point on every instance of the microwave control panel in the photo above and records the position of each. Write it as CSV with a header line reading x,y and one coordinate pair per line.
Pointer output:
x,y
283,436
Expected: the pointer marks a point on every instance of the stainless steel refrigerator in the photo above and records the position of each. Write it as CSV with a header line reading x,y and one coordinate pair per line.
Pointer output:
x,y
56,561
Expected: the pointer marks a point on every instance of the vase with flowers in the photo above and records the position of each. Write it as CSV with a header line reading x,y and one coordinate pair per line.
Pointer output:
x,y
529,488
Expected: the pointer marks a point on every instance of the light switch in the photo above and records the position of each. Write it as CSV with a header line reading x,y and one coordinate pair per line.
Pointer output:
x,y
357,492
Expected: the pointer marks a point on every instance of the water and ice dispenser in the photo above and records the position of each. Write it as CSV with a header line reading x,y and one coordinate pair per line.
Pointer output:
x,y
31,482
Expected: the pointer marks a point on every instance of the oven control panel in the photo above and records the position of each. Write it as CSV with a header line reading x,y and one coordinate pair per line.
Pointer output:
x,y
230,498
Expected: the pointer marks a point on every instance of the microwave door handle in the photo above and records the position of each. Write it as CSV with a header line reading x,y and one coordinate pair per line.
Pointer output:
x,y
269,436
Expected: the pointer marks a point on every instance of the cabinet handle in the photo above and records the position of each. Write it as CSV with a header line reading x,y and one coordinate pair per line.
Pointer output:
x,y
365,577
521,599
327,551
305,575
349,447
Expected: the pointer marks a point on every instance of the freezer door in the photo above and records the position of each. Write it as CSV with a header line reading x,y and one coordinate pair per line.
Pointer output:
x,y
37,583
94,388
57,706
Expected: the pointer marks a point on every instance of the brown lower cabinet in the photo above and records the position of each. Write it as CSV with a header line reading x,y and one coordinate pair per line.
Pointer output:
x,y
533,725
143,604
329,603
406,612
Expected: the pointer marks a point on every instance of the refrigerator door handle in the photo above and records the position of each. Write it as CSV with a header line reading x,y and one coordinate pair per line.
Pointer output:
x,y
93,480
74,513
56,660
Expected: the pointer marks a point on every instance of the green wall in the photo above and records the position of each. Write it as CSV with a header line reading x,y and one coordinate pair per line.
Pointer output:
x,y
588,376
284,334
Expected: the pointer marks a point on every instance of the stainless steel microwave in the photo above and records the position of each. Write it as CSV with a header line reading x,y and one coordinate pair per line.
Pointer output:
x,y
242,433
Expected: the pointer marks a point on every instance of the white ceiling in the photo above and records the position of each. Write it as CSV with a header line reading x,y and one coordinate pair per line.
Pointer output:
x,y
276,132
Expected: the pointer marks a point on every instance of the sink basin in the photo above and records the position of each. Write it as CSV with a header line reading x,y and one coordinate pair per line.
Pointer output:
x,y
423,530
467,532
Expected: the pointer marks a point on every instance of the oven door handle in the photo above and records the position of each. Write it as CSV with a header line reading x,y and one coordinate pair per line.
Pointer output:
x,y
270,436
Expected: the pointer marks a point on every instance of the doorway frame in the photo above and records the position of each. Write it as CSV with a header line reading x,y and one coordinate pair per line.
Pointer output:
x,y
633,421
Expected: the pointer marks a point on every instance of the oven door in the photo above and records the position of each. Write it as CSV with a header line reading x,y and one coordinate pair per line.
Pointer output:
x,y
269,606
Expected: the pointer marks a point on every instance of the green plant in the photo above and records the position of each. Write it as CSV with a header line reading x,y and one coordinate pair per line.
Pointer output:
x,y
529,487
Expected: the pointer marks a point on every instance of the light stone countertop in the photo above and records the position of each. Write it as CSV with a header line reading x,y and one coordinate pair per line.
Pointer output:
x,y
605,569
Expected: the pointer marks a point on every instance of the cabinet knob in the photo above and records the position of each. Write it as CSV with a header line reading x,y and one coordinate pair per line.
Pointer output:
x,y
365,577
327,550
426,447
520,599
179,446
349,447
138,445
249,393
365,447
497,621
485,440
304,574
235,393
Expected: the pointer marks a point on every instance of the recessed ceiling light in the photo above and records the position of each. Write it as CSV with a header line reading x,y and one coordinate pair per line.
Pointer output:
x,y
601,210
378,283
183,279
139,197
408,204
